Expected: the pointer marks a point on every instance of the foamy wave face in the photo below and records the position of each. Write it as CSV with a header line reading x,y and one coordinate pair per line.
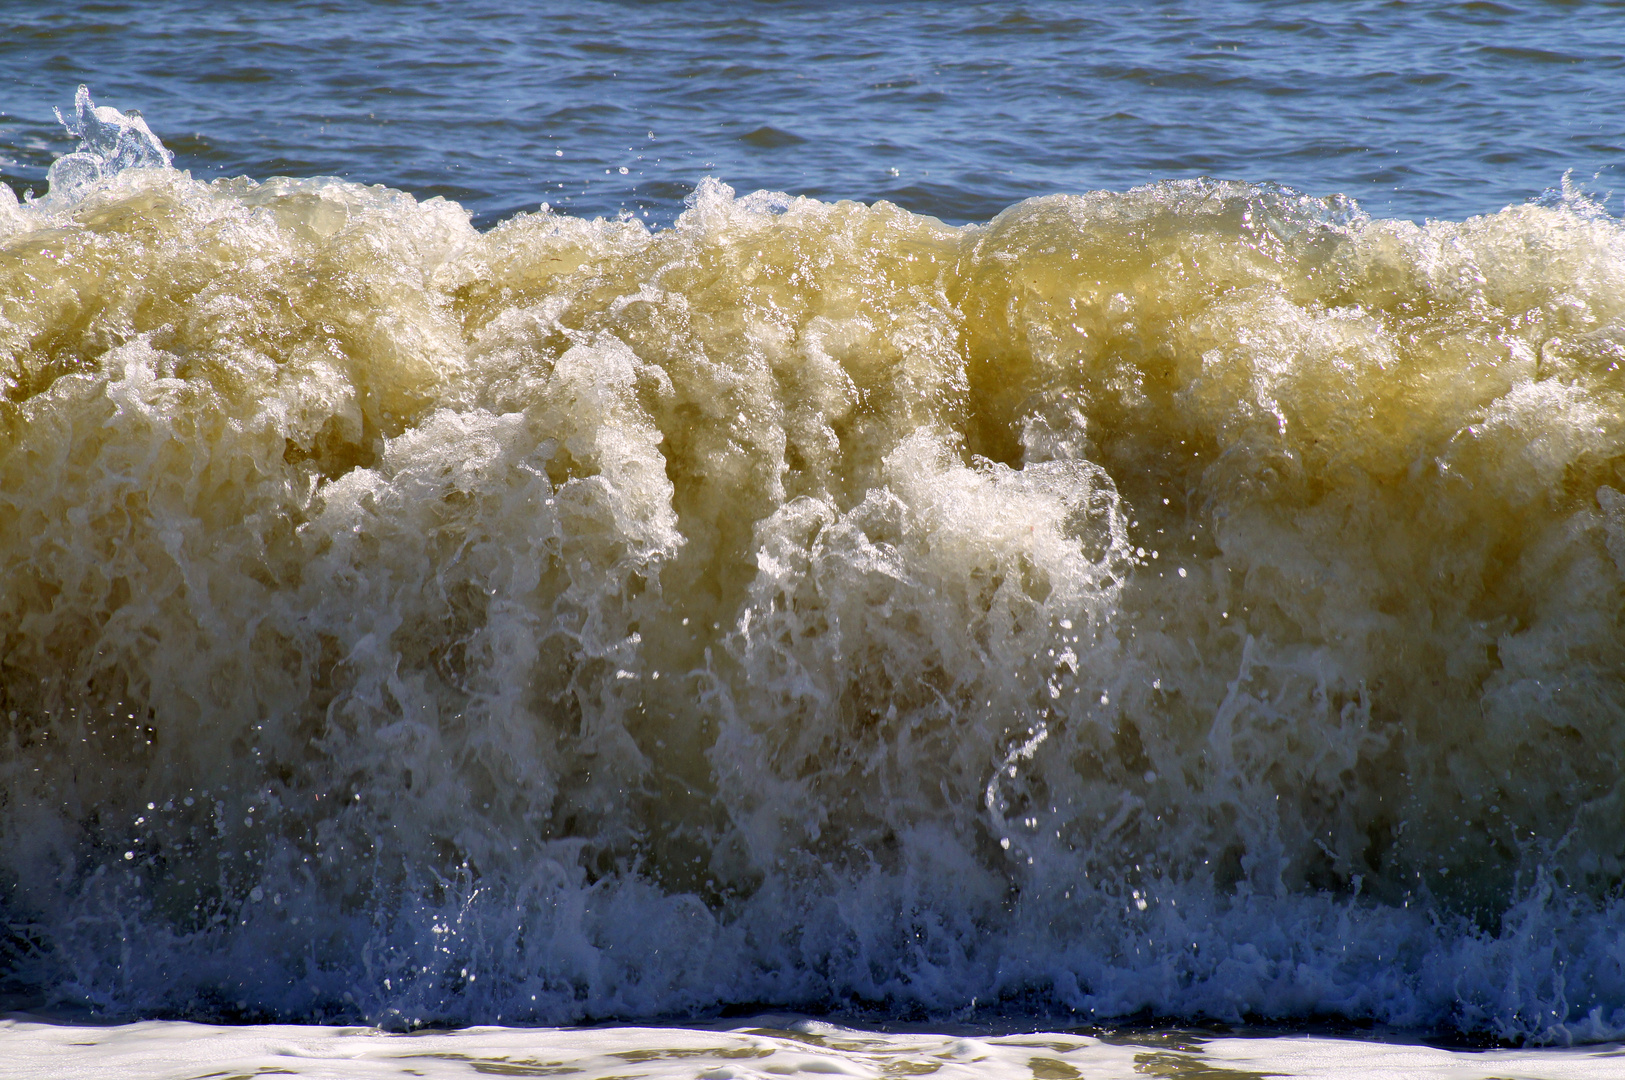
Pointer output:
x,y
1202,600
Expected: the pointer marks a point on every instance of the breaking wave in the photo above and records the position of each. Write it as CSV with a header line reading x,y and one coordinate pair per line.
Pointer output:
x,y
1198,601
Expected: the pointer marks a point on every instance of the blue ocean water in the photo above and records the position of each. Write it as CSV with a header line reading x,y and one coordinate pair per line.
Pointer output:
x,y
957,110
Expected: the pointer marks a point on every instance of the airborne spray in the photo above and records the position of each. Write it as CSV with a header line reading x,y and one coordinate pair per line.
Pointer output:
x,y
1204,600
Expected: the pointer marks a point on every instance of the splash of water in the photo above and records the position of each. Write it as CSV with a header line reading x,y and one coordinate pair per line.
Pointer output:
x,y
109,142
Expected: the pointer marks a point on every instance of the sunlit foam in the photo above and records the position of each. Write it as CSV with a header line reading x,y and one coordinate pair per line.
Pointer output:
x,y
1202,599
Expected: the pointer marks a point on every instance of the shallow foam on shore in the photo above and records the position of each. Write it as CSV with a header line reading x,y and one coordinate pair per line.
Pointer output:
x,y
759,1049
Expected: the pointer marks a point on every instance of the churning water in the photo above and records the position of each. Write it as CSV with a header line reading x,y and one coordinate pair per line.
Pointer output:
x,y
1203,600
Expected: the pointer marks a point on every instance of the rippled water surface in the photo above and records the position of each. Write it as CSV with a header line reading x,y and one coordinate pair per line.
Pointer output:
x,y
956,110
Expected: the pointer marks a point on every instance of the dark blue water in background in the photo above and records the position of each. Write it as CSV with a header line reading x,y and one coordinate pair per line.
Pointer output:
x,y
1415,109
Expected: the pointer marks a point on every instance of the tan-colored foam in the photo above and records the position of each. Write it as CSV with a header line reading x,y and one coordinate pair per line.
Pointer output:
x,y
1190,535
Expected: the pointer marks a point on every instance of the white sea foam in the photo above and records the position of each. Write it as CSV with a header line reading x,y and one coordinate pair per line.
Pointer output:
x,y
766,1047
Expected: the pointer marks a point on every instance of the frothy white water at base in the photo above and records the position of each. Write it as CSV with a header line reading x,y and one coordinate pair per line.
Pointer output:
x,y
769,1046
